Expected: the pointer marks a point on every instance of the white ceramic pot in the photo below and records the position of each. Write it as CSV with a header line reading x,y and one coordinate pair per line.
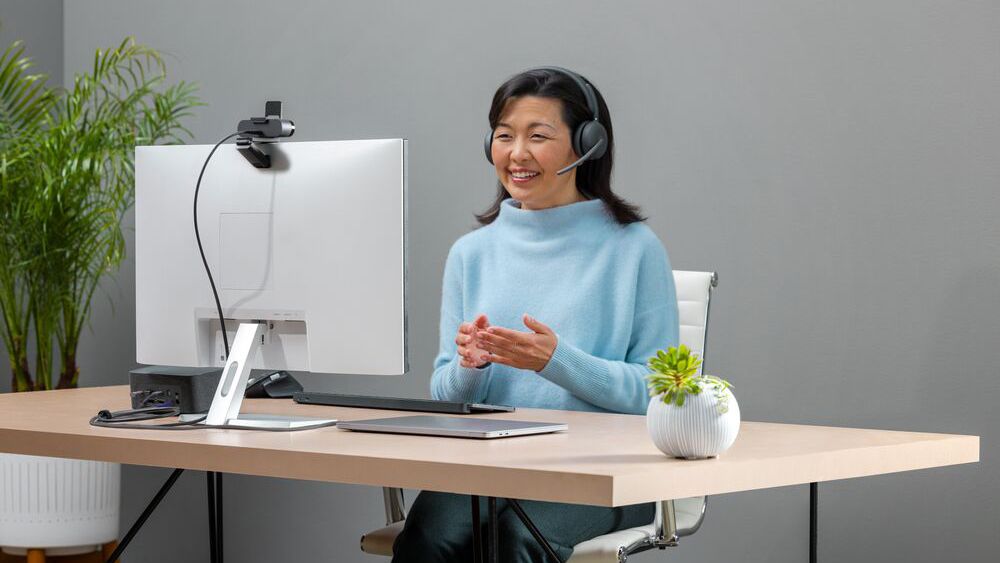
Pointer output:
x,y
48,502
696,430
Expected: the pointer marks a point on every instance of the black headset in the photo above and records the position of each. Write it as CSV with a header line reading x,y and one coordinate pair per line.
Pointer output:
x,y
590,139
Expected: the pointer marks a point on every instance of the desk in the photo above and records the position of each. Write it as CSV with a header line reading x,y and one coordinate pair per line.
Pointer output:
x,y
604,459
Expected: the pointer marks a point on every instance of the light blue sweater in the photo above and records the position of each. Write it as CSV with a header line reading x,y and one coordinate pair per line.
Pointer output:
x,y
605,289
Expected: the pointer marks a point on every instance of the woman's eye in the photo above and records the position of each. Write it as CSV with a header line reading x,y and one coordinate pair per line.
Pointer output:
x,y
538,136
502,136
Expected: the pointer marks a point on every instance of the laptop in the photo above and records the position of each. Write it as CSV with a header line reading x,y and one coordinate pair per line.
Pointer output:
x,y
460,427
397,403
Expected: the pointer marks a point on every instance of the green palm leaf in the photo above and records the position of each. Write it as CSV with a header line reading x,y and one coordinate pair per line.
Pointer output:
x,y
68,180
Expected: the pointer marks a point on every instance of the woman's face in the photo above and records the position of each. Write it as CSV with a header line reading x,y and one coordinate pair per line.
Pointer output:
x,y
530,144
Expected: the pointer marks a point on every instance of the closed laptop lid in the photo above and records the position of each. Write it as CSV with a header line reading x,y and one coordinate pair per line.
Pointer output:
x,y
464,427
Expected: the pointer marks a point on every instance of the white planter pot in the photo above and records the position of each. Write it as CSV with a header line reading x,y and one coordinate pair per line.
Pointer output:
x,y
48,502
695,430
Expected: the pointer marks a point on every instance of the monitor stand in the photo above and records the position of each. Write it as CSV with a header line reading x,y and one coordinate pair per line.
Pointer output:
x,y
225,409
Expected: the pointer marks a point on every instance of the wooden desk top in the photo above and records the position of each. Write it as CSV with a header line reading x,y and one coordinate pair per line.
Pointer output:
x,y
604,459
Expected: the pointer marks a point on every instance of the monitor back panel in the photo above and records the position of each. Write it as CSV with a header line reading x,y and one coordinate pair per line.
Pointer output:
x,y
315,246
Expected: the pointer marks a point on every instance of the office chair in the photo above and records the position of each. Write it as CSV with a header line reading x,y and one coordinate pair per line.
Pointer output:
x,y
674,519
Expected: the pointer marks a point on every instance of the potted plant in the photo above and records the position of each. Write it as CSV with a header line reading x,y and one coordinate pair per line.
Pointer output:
x,y
689,416
66,181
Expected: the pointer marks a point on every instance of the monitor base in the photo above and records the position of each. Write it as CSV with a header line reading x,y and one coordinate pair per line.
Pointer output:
x,y
270,421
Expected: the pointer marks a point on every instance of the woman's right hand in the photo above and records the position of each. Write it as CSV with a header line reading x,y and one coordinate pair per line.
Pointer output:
x,y
471,354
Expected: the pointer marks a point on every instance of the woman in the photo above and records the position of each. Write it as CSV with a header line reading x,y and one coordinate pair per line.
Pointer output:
x,y
556,302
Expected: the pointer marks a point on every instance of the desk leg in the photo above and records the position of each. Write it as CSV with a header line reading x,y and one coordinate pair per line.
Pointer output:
x,y
492,539
493,542
214,516
218,515
813,519
477,532
535,532
145,515
210,478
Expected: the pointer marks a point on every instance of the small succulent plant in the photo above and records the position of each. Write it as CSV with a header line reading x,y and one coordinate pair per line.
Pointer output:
x,y
675,376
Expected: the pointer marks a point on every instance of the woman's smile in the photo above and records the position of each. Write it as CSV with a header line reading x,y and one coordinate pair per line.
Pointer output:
x,y
522,176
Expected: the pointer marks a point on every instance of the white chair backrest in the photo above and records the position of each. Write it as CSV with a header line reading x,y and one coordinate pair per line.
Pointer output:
x,y
694,292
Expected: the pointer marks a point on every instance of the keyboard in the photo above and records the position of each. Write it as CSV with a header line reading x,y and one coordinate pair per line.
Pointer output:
x,y
396,403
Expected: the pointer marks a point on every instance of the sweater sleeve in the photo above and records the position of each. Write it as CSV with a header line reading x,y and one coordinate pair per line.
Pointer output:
x,y
451,381
620,386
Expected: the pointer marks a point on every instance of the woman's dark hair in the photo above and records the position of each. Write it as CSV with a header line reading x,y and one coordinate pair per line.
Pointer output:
x,y
593,178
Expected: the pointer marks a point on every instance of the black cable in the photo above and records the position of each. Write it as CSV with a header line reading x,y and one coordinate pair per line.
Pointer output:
x,y
134,415
155,395
255,382
197,236
104,422
264,379
196,425
212,496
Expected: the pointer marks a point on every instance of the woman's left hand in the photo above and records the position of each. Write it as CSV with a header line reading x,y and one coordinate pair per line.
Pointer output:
x,y
524,350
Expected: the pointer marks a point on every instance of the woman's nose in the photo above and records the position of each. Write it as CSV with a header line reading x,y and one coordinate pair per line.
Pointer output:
x,y
520,151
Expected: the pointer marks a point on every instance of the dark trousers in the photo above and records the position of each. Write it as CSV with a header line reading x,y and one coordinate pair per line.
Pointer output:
x,y
439,528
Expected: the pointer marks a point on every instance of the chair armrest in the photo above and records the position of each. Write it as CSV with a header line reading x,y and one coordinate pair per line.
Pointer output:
x,y
677,518
690,513
379,542
395,507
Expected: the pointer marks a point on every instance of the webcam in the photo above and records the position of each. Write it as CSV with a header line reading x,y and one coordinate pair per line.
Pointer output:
x,y
254,132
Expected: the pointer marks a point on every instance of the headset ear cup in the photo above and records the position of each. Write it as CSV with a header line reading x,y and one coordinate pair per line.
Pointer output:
x,y
489,146
587,135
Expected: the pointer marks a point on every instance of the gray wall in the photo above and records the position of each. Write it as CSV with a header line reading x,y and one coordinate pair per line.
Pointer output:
x,y
39,23
836,163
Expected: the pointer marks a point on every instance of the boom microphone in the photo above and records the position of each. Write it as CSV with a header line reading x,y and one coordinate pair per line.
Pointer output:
x,y
582,158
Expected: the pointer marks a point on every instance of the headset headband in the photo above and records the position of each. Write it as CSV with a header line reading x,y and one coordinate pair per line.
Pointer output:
x,y
585,87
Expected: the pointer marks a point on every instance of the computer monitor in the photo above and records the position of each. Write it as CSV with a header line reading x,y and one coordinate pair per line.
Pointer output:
x,y
308,256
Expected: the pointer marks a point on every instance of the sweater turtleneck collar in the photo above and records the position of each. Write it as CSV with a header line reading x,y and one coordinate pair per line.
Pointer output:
x,y
554,221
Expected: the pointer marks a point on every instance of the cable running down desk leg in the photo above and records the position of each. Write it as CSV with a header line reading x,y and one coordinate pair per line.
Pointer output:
x,y
145,515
